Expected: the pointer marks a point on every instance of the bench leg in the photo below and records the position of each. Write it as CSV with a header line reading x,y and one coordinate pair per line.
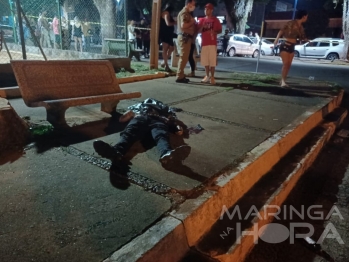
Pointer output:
x,y
135,54
109,107
56,116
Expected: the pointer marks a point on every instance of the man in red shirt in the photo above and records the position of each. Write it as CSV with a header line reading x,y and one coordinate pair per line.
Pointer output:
x,y
210,26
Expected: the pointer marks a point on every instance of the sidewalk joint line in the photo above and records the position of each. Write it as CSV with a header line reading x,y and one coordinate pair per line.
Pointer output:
x,y
144,182
229,122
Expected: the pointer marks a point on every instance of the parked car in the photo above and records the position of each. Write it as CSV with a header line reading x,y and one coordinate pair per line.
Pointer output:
x,y
321,48
242,45
266,47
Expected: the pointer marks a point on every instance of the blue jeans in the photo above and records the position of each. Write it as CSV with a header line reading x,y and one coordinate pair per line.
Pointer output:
x,y
138,128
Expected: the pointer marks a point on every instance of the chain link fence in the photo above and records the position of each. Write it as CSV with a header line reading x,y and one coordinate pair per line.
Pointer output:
x,y
63,29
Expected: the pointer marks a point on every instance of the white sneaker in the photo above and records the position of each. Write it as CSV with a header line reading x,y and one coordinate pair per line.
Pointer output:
x,y
206,79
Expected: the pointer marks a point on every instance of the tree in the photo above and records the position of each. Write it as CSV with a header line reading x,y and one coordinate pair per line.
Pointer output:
x,y
106,9
238,12
4,8
346,28
316,24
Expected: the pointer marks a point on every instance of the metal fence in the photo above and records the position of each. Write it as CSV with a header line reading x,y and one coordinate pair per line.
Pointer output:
x,y
61,29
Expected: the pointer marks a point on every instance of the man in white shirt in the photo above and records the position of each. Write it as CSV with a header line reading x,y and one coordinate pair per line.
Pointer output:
x,y
131,30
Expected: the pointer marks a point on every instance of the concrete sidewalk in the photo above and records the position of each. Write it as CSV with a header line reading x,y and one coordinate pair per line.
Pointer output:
x,y
61,202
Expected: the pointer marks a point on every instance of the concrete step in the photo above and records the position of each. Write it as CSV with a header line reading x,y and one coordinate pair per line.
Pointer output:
x,y
172,237
241,226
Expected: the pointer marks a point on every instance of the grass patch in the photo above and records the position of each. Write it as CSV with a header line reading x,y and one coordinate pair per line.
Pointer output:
x,y
140,69
253,79
40,130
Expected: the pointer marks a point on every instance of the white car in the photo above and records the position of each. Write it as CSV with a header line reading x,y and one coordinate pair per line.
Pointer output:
x,y
242,45
266,46
321,48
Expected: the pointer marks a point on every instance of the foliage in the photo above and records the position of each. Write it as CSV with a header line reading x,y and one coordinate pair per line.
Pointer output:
x,y
4,8
316,24
35,7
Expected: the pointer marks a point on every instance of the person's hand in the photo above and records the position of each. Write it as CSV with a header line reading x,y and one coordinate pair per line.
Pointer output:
x,y
127,116
179,131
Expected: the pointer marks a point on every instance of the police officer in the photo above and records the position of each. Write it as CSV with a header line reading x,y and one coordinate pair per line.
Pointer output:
x,y
186,26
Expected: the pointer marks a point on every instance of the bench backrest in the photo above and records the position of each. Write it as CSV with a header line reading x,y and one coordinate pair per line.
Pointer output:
x,y
53,80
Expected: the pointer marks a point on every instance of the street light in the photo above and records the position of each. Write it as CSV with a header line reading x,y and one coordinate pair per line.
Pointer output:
x,y
294,9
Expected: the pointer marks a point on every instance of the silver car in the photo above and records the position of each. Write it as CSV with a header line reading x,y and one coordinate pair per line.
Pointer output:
x,y
321,48
267,47
242,45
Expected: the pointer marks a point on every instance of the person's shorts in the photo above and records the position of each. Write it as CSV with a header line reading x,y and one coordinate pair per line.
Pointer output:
x,y
166,39
287,47
209,55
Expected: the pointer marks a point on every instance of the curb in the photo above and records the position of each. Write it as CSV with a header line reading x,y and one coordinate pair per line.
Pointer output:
x,y
238,252
198,215
132,79
160,239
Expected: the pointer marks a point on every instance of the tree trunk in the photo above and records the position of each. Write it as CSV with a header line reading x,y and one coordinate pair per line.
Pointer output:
x,y
106,9
238,11
346,29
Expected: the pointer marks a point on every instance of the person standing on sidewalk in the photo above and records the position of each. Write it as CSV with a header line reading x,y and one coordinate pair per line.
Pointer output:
x,y
45,40
55,28
146,40
191,59
166,35
131,32
210,27
77,33
186,28
225,42
292,31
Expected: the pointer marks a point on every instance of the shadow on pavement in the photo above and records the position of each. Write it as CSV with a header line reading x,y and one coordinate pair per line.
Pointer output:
x,y
295,89
10,157
118,174
77,134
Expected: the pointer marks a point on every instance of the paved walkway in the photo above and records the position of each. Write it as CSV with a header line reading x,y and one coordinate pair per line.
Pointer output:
x,y
60,202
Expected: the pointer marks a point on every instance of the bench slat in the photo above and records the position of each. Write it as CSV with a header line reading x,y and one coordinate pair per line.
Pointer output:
x,y
54,80
87,100
58,85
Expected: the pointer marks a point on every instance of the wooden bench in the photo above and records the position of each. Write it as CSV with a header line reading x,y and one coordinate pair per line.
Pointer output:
x,y
175,54
118,63
118,47
58,85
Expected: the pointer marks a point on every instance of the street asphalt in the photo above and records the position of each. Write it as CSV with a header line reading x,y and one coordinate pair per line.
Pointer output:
x,y
61,202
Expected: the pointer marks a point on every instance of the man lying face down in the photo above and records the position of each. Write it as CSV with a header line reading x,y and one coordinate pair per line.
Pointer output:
x,y
150,116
